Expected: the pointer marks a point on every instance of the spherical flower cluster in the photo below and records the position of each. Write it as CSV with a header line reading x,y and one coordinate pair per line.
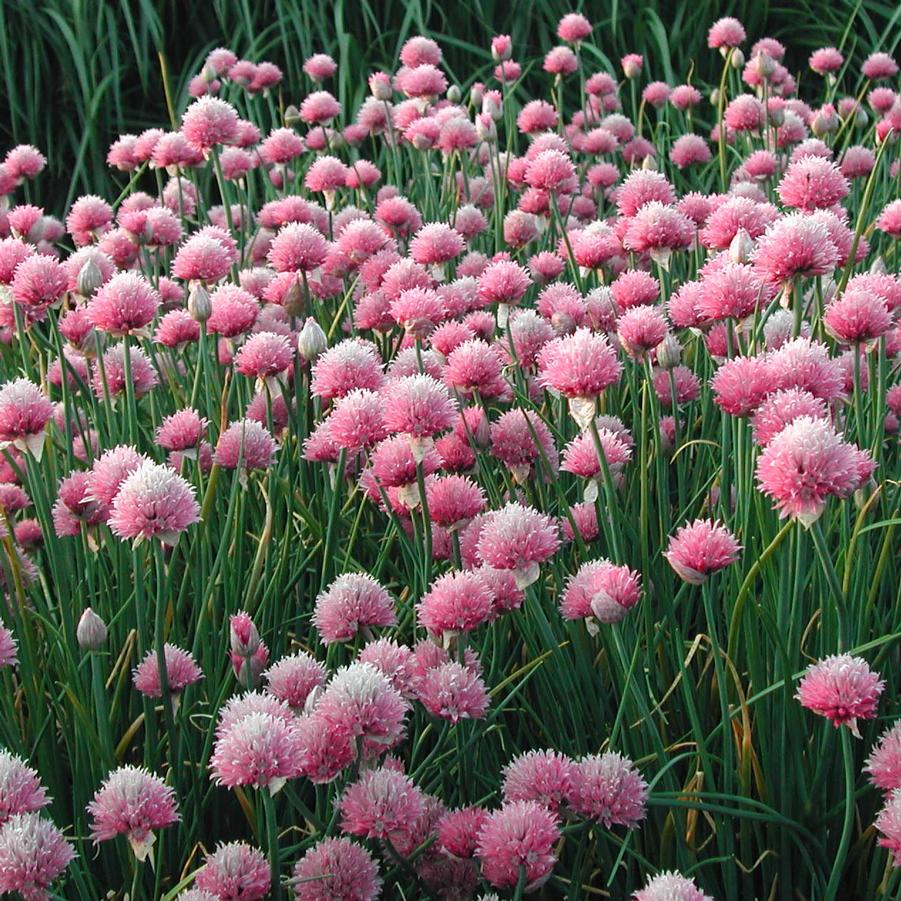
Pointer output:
x,y
842,688
602,590
24,414
670,886
608,788
245,444
153,501
181,671
354,601
701,548
543,776
453,692
235,872
132,802
518,538
382,804
33,853
807,462
257,749
884,762
812,183
455,602
8,655
336,868
125,304
581,365
20,787
889,824
293,679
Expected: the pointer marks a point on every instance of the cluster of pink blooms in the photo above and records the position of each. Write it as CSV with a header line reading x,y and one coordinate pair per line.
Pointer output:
x,y
456,373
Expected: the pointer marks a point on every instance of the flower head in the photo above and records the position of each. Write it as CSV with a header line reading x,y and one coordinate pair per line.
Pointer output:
x,y
608,788
884,762
336,868
670,886
354,601
181,671
235,872
20,787
33,853
258,749
842,688
518,538
701,548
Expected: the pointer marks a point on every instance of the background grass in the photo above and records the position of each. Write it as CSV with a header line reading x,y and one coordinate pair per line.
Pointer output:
x,y
77,73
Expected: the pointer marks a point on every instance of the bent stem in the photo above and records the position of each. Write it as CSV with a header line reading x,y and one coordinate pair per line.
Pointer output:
x,y
848,822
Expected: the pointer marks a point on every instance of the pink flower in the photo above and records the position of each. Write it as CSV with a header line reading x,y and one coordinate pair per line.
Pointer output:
x,y
39,281
453,692
684,97
209,122
795,245
740,384
634,288
326,175
876,67
826,60
354,601
88,218
320,66
608,788
601,589
806,463
670,886
731,291
298,247
658,229
889,220
519,836
632,64
781,408
20,787
132,802
455,602
181,671
124,305
235,872
581,365
884,762
436,243
33,853
358,420
383,804
857,316
889,824
812,183
351,364
258,750
641,187
689,150
520,539
475,366
726,33
24,414
181,431
744,113
701,548
25,161
336,868
453,500
360,702
109,471
580,456
842,688
245,444
292,679
176,329
393,660
361,239
503,282
153,502
806,364
7,648
457,831
640,329
542,776
203,258
513,441
280,147
573,28
264,355
143,375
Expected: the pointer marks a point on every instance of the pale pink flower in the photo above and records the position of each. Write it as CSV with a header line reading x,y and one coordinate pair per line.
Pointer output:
x,y
109,471
670,886
393,660
857,316
453,500
806,463
581,365
353,602
132,802
245,444
634,288
336,868
475,366
641,187
383,804
350,364
181,431
731,291
519,836
235,872
726,32
689,150
513,441
24,414
20,786
812,183
876,67
436,243
264,355
298,247
781,408
602,590
884,762
803,363
889,824
33,853
457,831
88,218
7,648
153,502
258,750
202,258
124,305
701,548
640,329
209,122
39,281
573,28
326,175
795,245
181,671
842,688
744,113
889,220
293,679
176,329
826,60
25,161
358,420
503,282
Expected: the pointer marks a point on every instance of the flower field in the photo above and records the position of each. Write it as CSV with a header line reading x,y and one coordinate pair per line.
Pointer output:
x,y
486,488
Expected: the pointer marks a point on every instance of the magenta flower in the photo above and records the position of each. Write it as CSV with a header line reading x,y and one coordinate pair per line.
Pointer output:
x,y
132,802
293,679
842,688
457,831
701,548
455,602
353,602
7,648
602,590
209,122
519,836
235,872
513,442
153,502
33,853
806,463
20,787
181,671
245,444
889,824
383,804
454,500
857,316
641,187
336,868
542,776
796,245
453,692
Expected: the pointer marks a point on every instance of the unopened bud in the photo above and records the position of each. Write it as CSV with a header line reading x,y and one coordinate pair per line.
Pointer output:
x,y
454,94
380,86
312,340
669,352
476,94
292,116
765,64
738,59
486,129
200,306
91,631
715,97
245,640
90,278
293,299
741,247
649,164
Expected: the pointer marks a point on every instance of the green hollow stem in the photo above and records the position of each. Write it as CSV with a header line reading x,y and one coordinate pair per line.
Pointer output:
x,y
838,866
